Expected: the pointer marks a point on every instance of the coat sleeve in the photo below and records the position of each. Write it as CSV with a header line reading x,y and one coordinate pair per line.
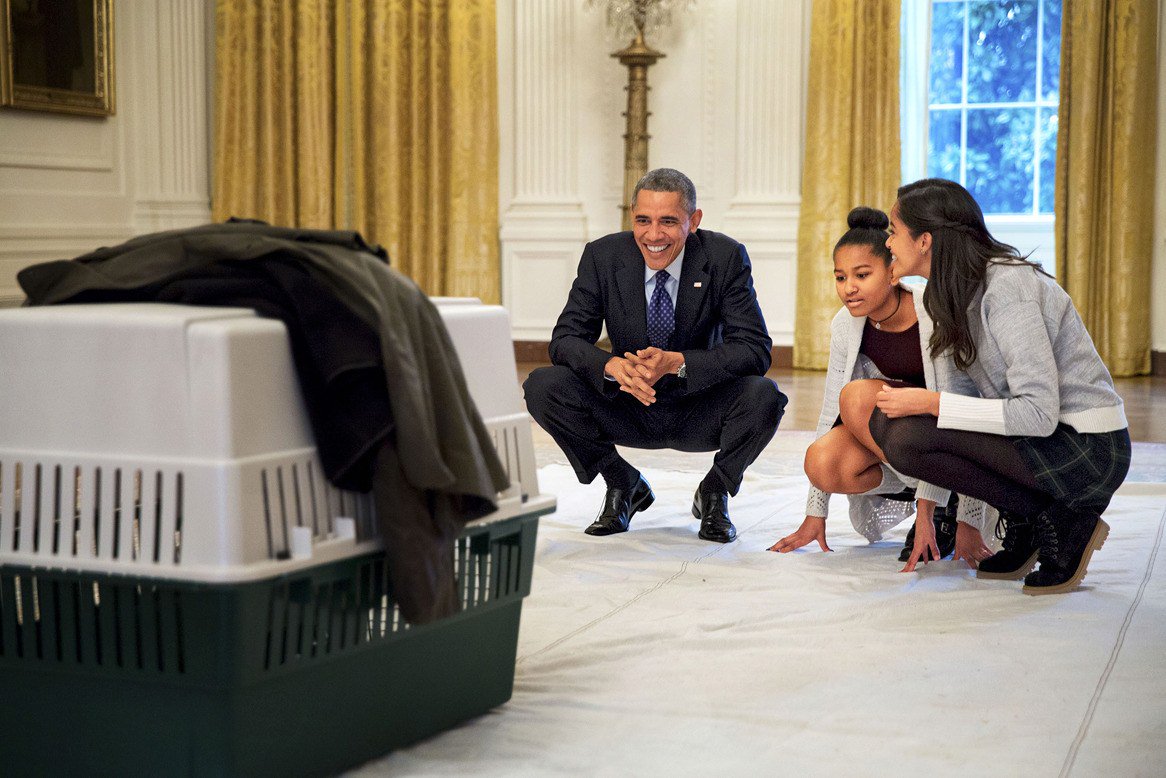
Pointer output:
x,y
745,346
1019,331
577,330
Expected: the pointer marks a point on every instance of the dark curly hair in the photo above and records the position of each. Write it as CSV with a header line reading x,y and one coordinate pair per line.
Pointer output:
x,y
868,227
961,250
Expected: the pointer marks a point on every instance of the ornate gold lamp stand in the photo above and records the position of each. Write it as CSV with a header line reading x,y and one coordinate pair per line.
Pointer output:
x,y
638,57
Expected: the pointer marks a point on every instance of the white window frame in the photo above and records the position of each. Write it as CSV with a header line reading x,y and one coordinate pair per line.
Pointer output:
x,y
1031,233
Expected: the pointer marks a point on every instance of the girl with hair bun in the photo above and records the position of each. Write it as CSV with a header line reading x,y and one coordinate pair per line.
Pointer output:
x,y
878,338
1047,441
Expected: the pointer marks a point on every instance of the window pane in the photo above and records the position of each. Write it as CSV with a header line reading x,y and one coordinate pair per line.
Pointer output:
x,y
1048,158
947,57
999,158
943,144
1051,64
1002,59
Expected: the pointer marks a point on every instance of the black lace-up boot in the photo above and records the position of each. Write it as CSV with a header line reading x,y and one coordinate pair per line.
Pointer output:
x,y
1067,540
1019,554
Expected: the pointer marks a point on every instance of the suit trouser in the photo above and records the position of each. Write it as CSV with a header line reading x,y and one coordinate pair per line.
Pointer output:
x,y
736,419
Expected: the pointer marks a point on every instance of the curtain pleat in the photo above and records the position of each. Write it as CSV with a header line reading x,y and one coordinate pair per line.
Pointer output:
x,y
373,115
851,150
1104,202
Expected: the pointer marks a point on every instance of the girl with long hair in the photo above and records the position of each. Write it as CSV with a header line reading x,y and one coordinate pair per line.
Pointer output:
x,y
877,338
1047,441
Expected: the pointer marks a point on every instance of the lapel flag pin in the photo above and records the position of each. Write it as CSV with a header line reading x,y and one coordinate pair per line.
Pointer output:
x,y
696,284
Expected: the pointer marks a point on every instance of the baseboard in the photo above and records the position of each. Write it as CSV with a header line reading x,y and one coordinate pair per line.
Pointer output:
x,y
536,351
783,356
531,351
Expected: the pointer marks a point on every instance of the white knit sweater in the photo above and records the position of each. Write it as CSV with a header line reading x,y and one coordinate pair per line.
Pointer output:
x,y
868,512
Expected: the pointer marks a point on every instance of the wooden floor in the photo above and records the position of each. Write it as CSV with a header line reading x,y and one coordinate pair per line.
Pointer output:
x,y
1145,400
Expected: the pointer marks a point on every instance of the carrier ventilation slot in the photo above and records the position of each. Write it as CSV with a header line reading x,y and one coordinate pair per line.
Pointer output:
x,y
92,623
308,619
505,439
487,570
69,511
295,495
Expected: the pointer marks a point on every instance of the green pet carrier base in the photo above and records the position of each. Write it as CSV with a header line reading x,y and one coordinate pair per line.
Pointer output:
x,y
301,674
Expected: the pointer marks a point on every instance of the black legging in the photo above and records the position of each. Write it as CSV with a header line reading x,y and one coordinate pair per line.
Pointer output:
x,y
986,467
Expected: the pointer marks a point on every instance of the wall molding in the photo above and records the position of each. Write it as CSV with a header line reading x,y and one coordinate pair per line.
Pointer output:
x,y
22,245
157,215
171,169
543,224
40,161
764,220
75,184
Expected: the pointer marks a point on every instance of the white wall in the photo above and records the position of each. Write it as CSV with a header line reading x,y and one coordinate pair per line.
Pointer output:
x,y
726,107
726,104
69,184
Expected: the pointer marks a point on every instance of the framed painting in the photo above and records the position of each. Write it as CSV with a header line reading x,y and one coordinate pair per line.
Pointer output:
x,y
57,56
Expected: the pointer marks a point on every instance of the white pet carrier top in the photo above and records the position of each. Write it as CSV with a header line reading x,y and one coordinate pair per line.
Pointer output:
x,y
172,441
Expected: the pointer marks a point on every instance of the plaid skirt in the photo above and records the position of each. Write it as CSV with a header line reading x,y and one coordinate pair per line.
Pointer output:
x,y
1081,470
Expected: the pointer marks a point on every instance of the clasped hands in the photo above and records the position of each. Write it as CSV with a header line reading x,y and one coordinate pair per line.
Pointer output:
x,y
638,373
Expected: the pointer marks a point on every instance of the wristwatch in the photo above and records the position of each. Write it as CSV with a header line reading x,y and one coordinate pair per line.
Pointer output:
x,y
683,371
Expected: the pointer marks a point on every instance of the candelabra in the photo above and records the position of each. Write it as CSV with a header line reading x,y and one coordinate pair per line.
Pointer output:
x,y
634,17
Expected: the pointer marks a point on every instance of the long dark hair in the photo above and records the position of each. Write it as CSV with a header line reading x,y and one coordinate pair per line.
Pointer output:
x,y
961,250
868,227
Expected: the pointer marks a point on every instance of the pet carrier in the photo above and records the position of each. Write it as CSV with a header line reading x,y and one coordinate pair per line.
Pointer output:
x,y
181,590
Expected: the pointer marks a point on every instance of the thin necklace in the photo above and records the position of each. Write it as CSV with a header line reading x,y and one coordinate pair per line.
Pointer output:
x,y
878,325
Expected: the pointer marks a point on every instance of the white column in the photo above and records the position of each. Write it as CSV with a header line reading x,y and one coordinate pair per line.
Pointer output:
x,y
544,227
169,126
772,50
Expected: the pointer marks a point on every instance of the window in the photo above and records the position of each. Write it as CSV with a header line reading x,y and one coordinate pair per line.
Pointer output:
x,y
979,88
992,100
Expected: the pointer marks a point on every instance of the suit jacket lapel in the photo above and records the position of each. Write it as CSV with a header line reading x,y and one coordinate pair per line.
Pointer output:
x,y
694,285
629,277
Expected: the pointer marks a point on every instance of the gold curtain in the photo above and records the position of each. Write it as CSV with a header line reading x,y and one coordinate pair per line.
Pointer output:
x,y
373,115
273,112
1104,201
851,152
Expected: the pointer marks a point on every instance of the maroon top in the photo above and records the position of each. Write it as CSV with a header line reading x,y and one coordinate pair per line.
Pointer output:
x,y
897,355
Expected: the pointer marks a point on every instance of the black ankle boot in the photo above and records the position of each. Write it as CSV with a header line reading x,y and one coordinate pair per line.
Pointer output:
x,y
945,534
945,526
908,544
1019,554
1067,540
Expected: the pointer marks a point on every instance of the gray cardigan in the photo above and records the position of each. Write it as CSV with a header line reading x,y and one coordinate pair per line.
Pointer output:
x,y
1035,363
870,513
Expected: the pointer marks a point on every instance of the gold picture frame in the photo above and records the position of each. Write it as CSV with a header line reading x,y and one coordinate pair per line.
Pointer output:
x,y
57,56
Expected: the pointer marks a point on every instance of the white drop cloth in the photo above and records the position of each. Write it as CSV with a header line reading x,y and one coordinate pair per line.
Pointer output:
x,y
655,653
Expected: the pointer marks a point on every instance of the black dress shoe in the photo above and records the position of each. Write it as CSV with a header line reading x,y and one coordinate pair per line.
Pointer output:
x,y
713,511
619,505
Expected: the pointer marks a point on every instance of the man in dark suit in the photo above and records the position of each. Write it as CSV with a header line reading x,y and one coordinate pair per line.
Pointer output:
x,y
687,365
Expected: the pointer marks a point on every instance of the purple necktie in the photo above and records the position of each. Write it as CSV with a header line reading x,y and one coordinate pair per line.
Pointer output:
x,y
661,318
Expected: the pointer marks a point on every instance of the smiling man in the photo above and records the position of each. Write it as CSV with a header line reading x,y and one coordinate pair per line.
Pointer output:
x,y
687,365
